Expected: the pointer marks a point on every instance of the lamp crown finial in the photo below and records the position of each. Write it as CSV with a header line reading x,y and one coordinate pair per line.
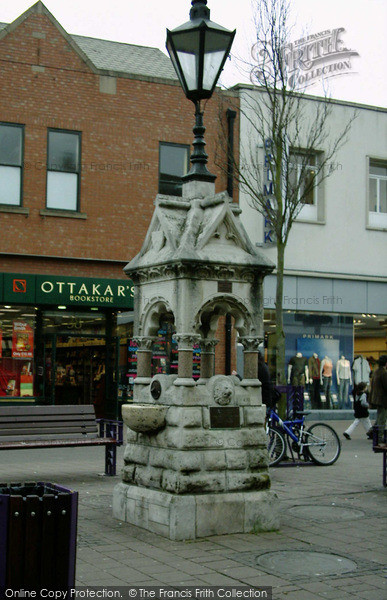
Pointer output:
x,y
199,10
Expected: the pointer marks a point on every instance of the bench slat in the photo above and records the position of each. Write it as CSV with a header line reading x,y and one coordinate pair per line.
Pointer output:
x,y
44,418
33,426
63,409
17,445
34,429
43,436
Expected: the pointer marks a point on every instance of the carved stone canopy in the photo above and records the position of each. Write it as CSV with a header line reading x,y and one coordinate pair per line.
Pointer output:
x,y
206,231
196,264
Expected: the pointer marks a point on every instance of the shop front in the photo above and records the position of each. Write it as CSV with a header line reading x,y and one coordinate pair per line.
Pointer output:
x,y
335,331
322,350
62,342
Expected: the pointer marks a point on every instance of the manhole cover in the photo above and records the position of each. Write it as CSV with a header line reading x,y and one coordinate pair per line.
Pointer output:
x,y
326,513
296,562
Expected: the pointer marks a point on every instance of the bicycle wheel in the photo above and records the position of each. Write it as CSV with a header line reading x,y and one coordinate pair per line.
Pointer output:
x,y
324,443
276,446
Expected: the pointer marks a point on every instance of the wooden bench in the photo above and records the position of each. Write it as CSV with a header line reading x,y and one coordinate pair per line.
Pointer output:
x,y
380,446
59,426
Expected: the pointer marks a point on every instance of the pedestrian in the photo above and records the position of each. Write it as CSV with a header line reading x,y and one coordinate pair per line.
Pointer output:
x,y
268,395
378,396
361,413
236,374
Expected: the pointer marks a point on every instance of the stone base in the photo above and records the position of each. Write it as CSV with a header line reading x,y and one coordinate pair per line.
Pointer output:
x,y
187,517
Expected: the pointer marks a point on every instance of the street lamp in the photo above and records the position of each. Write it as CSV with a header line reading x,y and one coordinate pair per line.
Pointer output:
x,y
198,50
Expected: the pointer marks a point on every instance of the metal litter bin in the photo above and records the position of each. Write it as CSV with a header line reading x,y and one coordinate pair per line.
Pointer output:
x,y
38,529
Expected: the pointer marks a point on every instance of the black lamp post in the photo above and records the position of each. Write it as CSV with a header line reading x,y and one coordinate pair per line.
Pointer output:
x,y
198,50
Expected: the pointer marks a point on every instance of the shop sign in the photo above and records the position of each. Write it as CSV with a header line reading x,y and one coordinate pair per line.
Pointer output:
x,y
317,336
269,235
22,340
70,291
107,293
19,288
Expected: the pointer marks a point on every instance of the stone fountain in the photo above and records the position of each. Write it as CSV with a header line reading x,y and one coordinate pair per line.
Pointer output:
x,y
195,460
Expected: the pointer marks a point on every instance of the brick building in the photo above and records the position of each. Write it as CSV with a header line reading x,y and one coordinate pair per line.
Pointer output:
x,y
90,131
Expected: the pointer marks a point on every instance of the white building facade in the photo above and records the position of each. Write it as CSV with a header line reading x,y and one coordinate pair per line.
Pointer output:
x,y
335,286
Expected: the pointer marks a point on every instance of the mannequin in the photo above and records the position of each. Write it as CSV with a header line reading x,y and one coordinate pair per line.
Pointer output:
x,y
344,380
361,370
314,374
298,370
326,368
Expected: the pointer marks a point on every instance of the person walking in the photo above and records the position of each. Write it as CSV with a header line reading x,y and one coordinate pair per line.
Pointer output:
x,y
378,396
265,379
361,413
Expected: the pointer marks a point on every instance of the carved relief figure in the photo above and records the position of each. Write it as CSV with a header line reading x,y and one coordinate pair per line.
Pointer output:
x,y
223,390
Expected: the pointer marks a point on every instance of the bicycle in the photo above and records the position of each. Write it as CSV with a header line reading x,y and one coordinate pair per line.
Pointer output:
x,y
319,443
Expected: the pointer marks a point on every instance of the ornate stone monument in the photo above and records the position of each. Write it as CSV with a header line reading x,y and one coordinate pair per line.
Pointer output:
x,y
195,460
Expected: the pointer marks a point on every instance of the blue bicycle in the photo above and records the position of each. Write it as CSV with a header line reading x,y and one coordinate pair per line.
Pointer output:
x,y
319,443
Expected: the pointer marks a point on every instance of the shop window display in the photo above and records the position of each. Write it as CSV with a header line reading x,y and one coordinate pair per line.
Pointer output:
x,y
17,352
75,358
339,350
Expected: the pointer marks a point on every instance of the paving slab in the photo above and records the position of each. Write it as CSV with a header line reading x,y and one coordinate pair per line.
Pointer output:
x,y
338,510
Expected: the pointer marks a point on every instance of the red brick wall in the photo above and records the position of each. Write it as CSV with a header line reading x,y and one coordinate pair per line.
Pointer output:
x,y
220,348
120,150
74,268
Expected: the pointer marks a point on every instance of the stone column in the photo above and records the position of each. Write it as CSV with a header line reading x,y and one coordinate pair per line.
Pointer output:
x,y
250,358
144,359
185,343
207,359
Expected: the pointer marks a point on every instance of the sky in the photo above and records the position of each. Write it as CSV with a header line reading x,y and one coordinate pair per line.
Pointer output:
x,y
145,22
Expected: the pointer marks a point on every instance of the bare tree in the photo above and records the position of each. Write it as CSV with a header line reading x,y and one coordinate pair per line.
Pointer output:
x,y
290,144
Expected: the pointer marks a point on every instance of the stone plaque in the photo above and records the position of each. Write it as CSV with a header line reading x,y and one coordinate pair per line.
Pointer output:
x,y
224,417
225,287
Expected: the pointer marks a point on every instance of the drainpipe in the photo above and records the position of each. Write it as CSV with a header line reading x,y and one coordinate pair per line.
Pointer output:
x,y
228,326
231,116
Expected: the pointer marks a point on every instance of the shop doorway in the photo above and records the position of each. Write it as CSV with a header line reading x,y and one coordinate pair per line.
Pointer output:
x,y
81,369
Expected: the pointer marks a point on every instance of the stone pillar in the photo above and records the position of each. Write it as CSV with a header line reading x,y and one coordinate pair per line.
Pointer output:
x,y
144,359
250,358
185,343
207,359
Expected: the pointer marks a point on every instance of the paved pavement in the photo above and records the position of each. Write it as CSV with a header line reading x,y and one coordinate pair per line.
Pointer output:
x,y
339,511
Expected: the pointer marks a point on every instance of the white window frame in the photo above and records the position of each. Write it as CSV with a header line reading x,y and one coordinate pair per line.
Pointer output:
x,y
62,188
14,171
376,219
309,212
163,181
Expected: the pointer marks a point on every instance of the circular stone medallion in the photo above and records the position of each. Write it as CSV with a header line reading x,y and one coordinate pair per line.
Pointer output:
x,y
298,562
155,389
325,513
